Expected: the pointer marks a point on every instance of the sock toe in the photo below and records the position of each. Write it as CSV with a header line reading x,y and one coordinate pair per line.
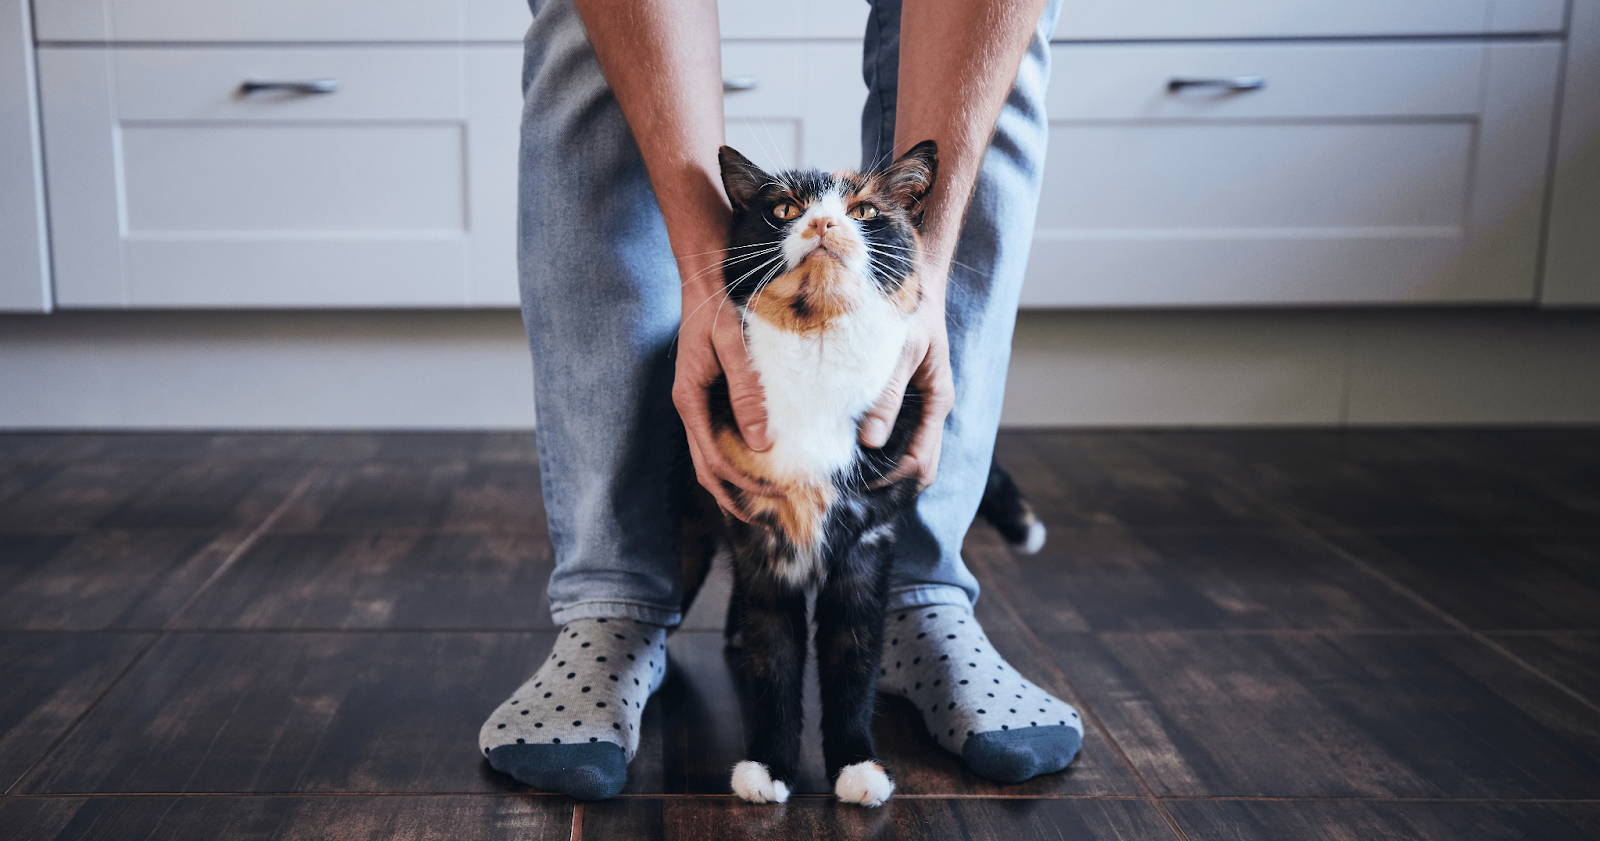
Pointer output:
x,y
1011,756
594,771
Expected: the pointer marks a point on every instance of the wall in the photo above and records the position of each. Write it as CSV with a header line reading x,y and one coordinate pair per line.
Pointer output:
x,y
471,369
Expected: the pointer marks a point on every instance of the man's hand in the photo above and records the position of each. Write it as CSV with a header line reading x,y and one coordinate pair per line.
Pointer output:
x,y
711,343
926,362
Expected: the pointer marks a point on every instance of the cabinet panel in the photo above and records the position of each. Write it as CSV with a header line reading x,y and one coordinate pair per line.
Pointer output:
x,y
1426,190
805,108
208,199
205,84
825,19
1572,261
282,20
24,273
1384,79
1090,20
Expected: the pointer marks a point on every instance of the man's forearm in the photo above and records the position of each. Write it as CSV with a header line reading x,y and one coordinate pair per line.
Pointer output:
x,y
662,59
958,62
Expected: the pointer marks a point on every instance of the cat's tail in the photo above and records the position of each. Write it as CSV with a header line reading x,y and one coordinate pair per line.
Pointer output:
x,y
1008,511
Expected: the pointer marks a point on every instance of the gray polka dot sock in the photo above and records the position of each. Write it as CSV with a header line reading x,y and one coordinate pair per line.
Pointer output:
x,y
972,701
574,726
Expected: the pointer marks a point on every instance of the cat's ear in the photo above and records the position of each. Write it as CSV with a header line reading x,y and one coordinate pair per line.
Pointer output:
x,y
742,179
908,180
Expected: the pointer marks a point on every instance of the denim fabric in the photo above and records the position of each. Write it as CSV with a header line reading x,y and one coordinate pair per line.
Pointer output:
x,y
601,307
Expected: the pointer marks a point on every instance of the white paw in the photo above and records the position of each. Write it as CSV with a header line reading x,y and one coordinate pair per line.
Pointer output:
x,y
753,784
1035,540
865,783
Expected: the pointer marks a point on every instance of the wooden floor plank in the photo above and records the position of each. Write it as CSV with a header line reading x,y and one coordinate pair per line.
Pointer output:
x,y
46,682
1493,581
823,819
350,818
1077,479
427,494
296,712
1325,715
1371,481
383,579
1111,578
105,579
82,495
1375,821
1572,659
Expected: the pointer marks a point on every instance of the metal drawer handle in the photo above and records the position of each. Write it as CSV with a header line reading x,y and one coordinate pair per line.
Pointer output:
x,y
738,83
313,86
1230,84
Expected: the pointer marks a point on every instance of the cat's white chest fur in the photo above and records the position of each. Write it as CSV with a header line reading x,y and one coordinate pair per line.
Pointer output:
x,y
818,387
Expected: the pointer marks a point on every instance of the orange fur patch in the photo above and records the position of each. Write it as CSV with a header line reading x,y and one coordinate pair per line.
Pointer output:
x,y
803,507
807,300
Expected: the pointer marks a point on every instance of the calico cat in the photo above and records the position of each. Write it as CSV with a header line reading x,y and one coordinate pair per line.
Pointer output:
x,y
823,274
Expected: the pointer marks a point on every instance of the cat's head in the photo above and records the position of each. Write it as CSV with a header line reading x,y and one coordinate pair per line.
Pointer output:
x,y
807,246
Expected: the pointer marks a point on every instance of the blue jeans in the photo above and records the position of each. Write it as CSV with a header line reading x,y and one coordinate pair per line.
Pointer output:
x,y
600,300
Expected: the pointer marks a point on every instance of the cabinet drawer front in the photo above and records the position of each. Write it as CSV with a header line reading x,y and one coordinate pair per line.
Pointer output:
x,y
816,19
804,106
1092,20
1425,190
281,20
382,199
373,83
1133,81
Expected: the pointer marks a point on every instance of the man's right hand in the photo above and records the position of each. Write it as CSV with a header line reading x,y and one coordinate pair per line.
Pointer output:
x,y
710,344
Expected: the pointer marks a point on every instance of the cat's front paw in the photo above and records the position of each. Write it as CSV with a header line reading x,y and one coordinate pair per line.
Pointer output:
x,y
866,783
754,785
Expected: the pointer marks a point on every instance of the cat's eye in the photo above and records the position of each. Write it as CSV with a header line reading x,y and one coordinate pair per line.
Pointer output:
x,y
863,211
786,212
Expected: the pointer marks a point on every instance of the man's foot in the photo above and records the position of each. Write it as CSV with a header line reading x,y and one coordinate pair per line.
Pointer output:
x,y
574,726
972,701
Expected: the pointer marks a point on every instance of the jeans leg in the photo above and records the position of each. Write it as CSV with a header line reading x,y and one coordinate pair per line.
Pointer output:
x,y
981,313
600,303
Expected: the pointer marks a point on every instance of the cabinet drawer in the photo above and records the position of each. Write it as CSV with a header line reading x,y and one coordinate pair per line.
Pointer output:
x,y
1387,79
816,19
1095,20
1342,181
280,20
172,189
372,83
803,106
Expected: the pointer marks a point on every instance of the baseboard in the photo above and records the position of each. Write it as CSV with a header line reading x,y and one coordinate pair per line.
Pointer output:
x,y
440,370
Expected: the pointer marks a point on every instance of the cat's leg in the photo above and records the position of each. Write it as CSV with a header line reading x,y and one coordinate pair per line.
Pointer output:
x,y
772,661
850,607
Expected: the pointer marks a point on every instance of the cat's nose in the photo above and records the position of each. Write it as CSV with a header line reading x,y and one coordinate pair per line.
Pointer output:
x,y
821,224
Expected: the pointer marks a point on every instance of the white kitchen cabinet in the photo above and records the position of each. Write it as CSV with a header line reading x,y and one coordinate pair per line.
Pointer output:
x,y
1378,172
1141,20
248,21
804,106
24,271
172,187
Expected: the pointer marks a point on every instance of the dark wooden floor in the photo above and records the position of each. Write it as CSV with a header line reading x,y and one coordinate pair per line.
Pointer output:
x,y
1271,635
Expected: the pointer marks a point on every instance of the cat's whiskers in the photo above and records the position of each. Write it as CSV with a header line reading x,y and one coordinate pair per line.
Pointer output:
x,y
721,295
724,263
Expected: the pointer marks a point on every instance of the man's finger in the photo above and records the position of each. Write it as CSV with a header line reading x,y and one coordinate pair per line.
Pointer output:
x,y
714,486
708,457
879,420
749,401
